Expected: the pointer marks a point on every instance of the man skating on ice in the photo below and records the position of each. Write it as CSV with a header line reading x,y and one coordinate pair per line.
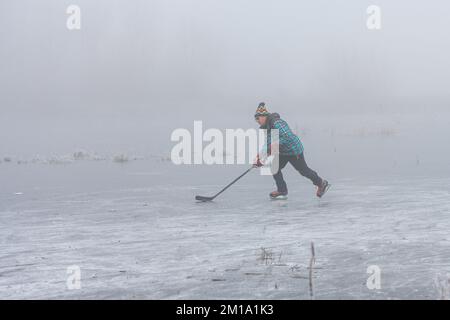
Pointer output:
x,y
290,150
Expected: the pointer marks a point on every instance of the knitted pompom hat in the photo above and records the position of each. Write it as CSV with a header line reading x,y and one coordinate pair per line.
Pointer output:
x,y
261,110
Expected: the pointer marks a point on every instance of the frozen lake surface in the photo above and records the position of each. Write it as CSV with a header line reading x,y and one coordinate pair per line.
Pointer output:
x,y
135,231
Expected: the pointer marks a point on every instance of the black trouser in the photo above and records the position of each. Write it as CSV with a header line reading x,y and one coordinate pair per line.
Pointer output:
x,y
300,165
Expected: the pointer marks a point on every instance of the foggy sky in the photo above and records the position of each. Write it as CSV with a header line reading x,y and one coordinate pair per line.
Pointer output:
x,y
150,63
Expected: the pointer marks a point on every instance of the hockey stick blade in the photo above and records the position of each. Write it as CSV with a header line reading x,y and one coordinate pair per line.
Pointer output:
x,y
204,199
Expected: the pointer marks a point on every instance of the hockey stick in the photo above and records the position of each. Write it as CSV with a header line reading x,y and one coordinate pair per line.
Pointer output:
x,y
204,199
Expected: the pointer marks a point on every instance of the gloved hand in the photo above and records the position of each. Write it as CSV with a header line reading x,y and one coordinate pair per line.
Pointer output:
x,y
257,163
267,162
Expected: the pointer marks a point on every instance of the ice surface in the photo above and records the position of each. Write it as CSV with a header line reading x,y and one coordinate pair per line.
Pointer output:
x,y
135,231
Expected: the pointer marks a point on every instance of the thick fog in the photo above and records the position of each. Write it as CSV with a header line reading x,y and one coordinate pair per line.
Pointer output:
x,y
137,70
86,181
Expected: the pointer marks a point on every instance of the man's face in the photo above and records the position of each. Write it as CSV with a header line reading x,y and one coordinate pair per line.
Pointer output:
x,y
261,120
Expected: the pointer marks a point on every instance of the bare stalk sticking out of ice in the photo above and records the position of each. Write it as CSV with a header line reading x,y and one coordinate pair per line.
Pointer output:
x,y
311,265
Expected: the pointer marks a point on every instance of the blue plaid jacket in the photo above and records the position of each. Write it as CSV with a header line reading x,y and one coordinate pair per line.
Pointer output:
x,y
289,143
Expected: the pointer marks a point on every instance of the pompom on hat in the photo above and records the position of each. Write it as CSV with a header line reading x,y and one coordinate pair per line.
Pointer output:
x,y
261,110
